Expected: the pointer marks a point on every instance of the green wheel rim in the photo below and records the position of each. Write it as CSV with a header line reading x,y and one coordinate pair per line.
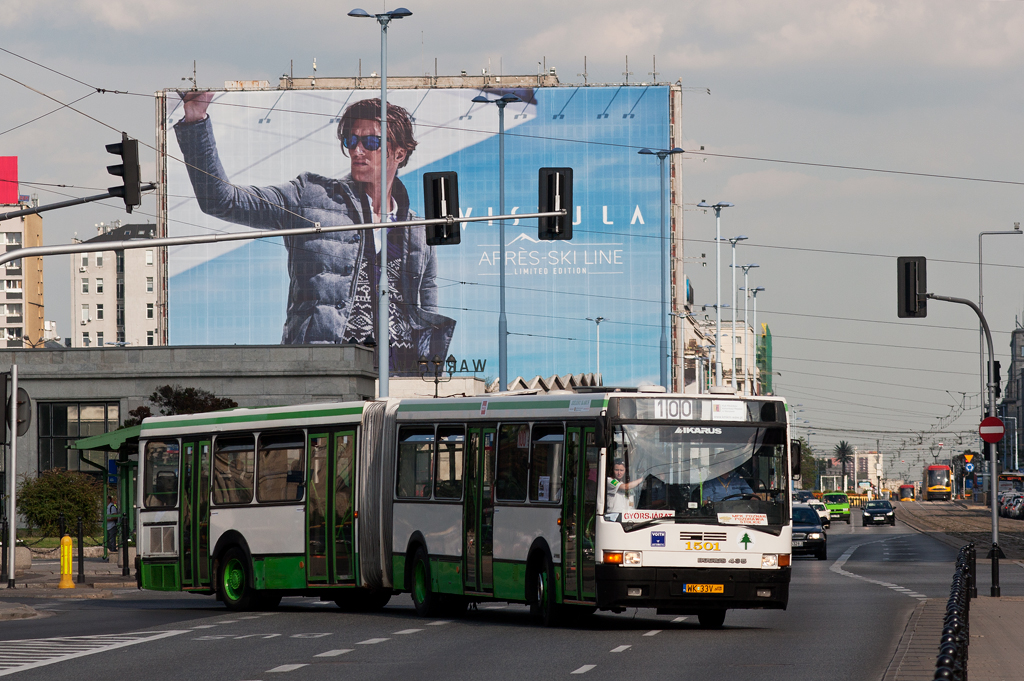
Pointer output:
x,y
419,579
542,592
234,579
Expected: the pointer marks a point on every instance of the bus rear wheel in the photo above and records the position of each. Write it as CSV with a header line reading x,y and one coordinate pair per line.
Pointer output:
x,y
234,581
425,600
711,619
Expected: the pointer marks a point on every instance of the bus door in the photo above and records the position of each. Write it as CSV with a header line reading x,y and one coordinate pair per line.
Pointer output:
x,y
329,506
579,524
478,510
195,515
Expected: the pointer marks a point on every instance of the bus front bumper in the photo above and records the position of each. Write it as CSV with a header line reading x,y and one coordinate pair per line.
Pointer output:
x,y
667,589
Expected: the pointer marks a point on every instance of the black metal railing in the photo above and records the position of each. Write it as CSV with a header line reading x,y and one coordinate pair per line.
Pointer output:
x,y
956,636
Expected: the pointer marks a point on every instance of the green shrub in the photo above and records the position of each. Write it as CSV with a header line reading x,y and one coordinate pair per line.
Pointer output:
x,y
42,500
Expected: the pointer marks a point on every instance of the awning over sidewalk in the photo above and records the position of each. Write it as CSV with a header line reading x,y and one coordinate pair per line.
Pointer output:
x,y
113,441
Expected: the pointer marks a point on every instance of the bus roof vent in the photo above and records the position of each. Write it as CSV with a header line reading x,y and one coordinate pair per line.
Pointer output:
x,y
722,390
651,389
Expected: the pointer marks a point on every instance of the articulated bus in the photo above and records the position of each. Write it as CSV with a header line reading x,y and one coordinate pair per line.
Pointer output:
x,y
567,502
937,484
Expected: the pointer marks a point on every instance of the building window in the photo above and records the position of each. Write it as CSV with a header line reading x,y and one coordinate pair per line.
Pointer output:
x,y
149,310
85,313
149,257
99,311
14,237
14,264
150,338
85,339
14,310
99,260
120,261
120,288
85,285
120,316
99,285
149,284
99,339
61,423
85,260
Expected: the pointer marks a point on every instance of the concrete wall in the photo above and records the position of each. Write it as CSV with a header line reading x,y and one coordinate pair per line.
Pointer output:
x,y
253,376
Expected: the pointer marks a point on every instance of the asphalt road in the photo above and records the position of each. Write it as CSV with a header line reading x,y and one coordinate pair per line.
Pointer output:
x,y
845,618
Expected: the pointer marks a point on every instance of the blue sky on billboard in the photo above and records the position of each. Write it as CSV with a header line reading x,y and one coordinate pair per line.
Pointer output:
x,y
228,294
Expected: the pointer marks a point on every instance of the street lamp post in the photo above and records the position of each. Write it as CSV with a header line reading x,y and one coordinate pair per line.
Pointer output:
x,y
597,321
981,306
502,102
746,296
754,291
384,310
718,283
663,154
732,341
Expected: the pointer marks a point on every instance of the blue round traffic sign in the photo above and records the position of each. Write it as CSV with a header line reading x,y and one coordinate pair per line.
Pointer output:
x,y
969,467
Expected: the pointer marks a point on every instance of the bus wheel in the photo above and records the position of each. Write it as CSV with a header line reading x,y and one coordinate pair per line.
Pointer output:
x,y
234,581
423,598
711,619
543,607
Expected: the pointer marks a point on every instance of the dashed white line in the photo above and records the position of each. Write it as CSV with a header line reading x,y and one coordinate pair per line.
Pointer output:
x,y
496,607
653,632
408,631
837,567
204,626
371,641
227,622
438,623
287,667
620,649
334,653
584,669
678,619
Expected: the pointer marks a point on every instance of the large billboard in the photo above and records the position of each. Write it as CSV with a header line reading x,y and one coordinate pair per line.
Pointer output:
x,y
239,160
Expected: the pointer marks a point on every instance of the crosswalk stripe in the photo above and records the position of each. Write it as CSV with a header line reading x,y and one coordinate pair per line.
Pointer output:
x,y
19,656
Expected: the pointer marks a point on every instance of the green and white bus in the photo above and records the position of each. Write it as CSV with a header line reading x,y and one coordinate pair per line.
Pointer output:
x,y
568,502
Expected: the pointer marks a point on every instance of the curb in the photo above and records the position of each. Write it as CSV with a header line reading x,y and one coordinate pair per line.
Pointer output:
x,y
17,611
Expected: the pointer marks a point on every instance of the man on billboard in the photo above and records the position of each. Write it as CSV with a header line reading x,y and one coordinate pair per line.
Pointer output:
x,y
332,294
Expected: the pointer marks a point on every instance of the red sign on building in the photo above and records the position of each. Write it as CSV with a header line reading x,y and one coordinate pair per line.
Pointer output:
x,y
8,179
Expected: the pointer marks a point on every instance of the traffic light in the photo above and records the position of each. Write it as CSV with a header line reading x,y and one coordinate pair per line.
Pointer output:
x,y
999,378
911,286
441,200
555,193
131,191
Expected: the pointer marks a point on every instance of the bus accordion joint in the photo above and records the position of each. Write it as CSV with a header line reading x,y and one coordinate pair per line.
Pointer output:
x,y
613,557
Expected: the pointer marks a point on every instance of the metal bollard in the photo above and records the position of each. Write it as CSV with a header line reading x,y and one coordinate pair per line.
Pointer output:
x,y
125,570
65,564
81,551
973,560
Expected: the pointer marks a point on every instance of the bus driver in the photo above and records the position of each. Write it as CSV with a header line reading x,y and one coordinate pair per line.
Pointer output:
x,y
616,487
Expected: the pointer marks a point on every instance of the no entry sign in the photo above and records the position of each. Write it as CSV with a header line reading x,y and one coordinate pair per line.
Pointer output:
x,y
991,429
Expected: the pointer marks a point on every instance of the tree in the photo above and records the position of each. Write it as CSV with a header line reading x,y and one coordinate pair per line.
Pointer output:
x,y
42,499
808,466
844,453
174,399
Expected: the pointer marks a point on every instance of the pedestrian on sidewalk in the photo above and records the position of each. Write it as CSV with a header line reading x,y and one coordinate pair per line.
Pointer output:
x,y
111,524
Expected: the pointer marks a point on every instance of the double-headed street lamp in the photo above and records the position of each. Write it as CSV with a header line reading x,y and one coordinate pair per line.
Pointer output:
x,y
663,154
502,102
746,270
718,283
732,341
754,291
383,309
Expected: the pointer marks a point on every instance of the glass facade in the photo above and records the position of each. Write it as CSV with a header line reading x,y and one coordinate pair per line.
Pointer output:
x,y
61,423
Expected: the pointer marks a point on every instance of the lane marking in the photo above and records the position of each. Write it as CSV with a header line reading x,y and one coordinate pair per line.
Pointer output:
x,y
584,669
653,632
205,626
408,631
371,641
679,619
438,623
287,667
19,656
497,607
837,567
334,653
620,649
227,622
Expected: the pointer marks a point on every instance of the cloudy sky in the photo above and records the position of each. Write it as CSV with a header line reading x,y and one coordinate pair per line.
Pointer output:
x,y
923,87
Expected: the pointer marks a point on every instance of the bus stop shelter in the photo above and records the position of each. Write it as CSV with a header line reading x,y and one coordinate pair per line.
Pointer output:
x,y
121,471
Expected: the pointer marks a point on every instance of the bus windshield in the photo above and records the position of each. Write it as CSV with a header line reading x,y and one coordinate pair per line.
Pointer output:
x,y
938,477
717,475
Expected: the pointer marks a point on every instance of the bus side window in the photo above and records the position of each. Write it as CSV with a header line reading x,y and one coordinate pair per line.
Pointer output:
x,y
451,446
513,460
415,450
546,463
161,488
281,468
233,468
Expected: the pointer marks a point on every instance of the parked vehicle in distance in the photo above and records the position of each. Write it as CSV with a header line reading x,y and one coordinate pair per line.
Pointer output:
x,y
801,496
809,536
826,520
879,513
838,505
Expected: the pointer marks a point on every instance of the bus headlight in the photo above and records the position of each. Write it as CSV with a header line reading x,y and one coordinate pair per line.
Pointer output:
x,y
632,559
769,560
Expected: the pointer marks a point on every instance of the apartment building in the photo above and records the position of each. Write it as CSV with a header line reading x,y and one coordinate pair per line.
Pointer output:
x,y
21,305
118,296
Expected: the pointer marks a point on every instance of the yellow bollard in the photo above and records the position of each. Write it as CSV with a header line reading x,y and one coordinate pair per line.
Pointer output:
x,y
65,564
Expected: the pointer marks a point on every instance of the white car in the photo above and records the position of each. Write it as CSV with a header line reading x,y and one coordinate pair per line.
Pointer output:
x,y
821,511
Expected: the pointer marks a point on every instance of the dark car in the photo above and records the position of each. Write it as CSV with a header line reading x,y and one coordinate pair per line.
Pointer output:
x,y
879,513
808,535
802,496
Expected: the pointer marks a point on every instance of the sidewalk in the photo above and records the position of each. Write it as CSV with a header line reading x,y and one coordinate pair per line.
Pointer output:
x,y
99,575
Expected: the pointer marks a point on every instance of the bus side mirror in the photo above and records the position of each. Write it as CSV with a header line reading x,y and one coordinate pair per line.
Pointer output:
x,y
795,453
601,438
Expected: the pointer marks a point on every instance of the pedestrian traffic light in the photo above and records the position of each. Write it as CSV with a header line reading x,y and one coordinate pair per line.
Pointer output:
x,y
441,200
555,193
912,287
128,169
